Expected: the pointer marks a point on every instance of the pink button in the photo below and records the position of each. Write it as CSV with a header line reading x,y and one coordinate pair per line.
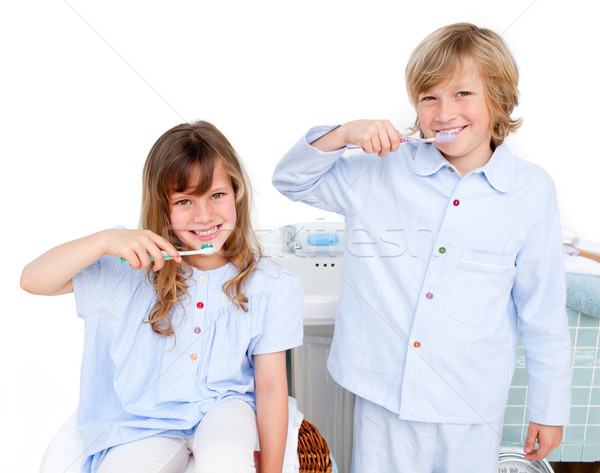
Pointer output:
x,y
197,330
429,295
456,203
199,305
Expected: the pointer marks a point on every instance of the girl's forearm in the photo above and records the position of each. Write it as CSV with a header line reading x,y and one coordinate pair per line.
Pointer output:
x,y
271,409
51,273
272,419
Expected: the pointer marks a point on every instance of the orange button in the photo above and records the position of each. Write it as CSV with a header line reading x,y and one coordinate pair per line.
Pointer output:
x,y
193,356
417,344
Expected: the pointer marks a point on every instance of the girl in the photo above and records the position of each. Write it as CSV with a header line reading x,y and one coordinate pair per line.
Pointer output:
x,y
187,354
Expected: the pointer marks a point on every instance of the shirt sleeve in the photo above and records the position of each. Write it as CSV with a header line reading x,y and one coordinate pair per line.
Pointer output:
x,y
539,293
282,316
322,179
93,284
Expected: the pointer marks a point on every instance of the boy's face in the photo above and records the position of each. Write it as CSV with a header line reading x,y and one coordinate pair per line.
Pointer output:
x,y
458,104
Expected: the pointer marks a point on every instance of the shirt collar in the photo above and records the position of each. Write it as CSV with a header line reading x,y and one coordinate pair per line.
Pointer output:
x,y
499,170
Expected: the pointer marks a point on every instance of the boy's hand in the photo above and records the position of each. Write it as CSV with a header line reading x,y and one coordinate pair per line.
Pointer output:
x,y
548,437
373,136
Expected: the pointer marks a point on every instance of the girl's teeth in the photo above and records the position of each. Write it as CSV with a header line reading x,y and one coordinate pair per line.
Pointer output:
x,y
207,232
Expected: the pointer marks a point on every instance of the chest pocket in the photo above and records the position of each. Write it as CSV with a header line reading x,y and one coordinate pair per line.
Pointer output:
x,y
481,287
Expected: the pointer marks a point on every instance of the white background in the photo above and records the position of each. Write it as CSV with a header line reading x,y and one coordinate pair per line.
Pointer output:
x,y
87,87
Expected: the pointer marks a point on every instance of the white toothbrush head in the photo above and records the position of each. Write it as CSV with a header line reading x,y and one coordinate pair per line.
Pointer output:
x,y
442,137
206,249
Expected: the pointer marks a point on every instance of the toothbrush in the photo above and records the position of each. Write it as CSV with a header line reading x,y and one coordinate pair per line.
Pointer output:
x,y
572,251
441,137
207,249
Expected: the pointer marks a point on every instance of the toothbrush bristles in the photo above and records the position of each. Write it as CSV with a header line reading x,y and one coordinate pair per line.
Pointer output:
x,y
444,137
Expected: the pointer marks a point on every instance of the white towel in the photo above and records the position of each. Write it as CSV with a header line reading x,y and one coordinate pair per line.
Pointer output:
x,y
581,265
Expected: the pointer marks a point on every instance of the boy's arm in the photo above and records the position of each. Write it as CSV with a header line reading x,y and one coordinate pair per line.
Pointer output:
x,y
548,438
373,136
312,171
540,297
51,274
271,409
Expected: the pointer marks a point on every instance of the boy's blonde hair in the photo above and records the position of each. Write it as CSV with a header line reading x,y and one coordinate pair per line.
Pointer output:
x,y
449,50
171,167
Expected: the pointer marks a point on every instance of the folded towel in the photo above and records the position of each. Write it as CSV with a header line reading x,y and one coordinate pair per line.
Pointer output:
x,y
581,265
583,293
65,452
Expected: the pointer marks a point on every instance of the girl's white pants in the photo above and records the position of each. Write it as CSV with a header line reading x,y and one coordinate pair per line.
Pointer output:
x,y
224,442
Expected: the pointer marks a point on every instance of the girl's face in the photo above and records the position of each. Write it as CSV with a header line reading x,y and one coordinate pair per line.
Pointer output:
x,y
206,219
458,104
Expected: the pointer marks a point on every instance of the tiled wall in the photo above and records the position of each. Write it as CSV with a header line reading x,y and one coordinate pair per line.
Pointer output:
x,y
582,436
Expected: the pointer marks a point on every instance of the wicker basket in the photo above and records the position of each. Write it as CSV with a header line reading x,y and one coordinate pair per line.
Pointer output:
x,y
313,452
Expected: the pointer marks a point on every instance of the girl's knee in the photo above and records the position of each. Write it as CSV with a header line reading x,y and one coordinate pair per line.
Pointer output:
x,y
224,458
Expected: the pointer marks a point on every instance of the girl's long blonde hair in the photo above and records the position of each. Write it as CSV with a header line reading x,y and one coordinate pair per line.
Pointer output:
x,y
169,168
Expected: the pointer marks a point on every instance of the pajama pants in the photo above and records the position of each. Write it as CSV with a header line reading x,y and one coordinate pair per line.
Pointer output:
x,y
224,442
383,443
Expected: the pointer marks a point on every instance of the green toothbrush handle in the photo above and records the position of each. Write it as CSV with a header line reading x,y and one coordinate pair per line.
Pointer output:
x,y
166,256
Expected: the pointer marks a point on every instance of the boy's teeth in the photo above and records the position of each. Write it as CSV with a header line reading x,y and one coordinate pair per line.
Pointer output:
x,y
207,232
453,130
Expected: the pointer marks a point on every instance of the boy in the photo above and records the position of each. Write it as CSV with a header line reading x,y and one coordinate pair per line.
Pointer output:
x,y
452,249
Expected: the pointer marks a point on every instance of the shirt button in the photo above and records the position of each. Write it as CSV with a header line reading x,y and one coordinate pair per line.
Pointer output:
x,y
202,278
429,295
450,169
199,305
456,203
442,250
193,356
197,330
417,344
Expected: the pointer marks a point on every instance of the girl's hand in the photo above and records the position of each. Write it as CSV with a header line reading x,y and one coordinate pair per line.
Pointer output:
x,y
373,136
136,245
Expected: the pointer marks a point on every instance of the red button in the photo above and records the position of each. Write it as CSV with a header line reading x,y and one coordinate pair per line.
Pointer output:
x,y
199,305
456,203
429,295
417,344
197,330
193,356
